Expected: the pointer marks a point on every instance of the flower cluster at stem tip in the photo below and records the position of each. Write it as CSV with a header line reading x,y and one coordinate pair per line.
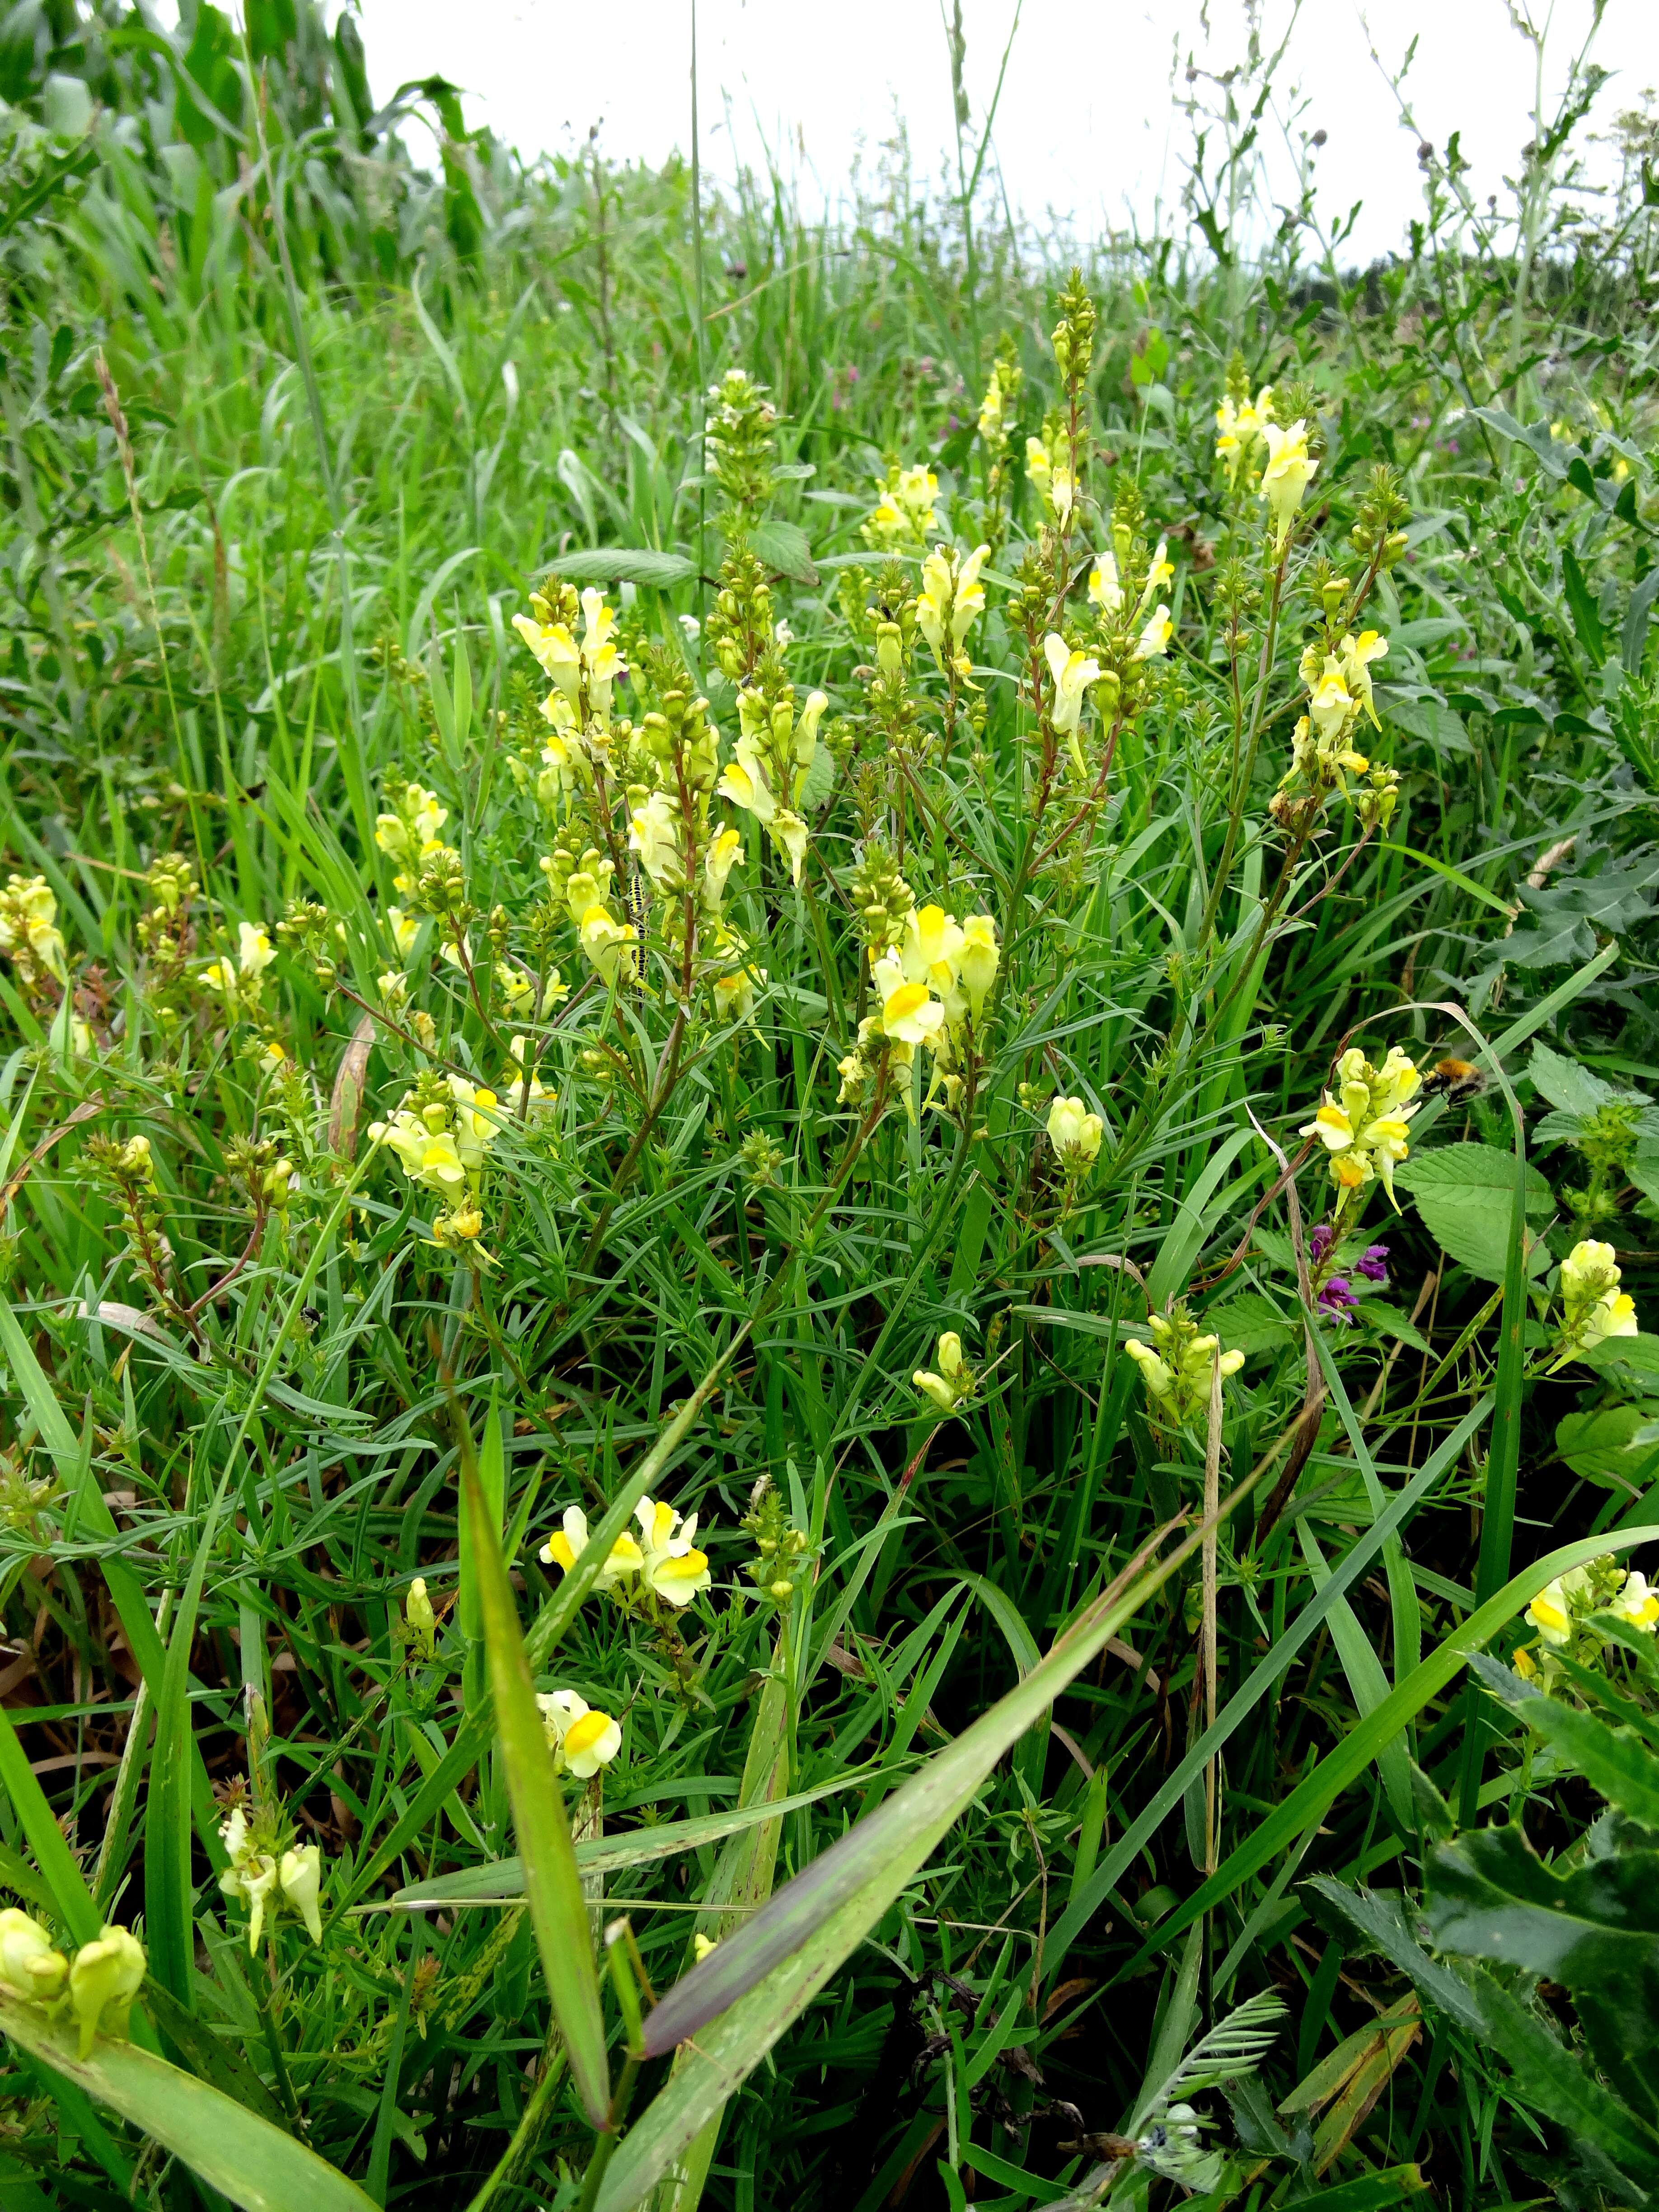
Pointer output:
x,y
1562,1614
1593,1307
1363,1123
664,1560
268,1872
1177,1366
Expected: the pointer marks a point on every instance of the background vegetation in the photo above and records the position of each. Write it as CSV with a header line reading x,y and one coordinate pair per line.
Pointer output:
x,y
293,427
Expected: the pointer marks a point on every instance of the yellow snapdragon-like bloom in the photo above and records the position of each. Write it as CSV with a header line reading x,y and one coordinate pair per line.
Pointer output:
x,y
979,958
1357,654
1073,672
953,1380
951,597
1179,1364
593,665
612,947
569,1540
905,513
1075,1134
104,1978
656,831
30,934
581,1738
1593,1307
1039,470
1363,1125
1291,468
673,1566
1239,426
909,1014
420,1622
1550,1614
254,949
1637,1603
31,1965
1105,591
1154,641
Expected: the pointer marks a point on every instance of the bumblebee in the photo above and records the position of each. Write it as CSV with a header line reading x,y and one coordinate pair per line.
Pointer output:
x,y
1454,1080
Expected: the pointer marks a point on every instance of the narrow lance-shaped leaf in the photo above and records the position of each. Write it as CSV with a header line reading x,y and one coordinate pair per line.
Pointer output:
x,y
558,1910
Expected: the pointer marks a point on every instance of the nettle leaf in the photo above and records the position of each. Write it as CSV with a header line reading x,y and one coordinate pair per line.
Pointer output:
x,y
1252,1323
1574,1089
623,564
786,547
1632,1360
1602,1446
1464,1194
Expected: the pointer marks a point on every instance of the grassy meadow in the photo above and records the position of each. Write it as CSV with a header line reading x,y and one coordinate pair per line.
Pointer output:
x,y
829,1366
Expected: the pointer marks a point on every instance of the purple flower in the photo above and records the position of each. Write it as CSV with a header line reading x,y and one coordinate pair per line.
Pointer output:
x,y
1319,1244
1373,1264
1337,1300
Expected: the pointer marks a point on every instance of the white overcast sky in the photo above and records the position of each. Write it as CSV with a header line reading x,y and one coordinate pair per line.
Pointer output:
x,y
1085,127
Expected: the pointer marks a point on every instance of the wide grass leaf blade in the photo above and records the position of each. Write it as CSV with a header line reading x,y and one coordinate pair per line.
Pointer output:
x,y
557,1907
233,2149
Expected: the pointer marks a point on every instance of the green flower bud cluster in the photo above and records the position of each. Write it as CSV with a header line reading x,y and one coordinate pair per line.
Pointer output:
x,y
1376,534
782,1552
882,899
1074,333
741,628
739,447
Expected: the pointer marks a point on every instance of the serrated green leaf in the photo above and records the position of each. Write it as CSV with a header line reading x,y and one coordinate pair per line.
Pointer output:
x,y
786,547
1464,1194
623,564
1492,1897
1602,1447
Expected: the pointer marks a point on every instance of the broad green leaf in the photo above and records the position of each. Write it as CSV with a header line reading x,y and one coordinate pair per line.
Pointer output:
x,y
1492,1897
557,1907
1574,1089
786,547
1463,1192
255,2164
1602,1447
1251,1322
624,564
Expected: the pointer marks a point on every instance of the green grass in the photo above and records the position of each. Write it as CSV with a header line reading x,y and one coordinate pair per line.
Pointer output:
x,y
998,1868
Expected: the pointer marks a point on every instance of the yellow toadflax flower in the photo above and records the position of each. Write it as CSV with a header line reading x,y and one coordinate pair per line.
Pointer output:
x,y
566,1544
1075,1134
1104,589
31,1967
103,1980
581,1738
954,1379
1179,1364
1364,1124
1239,425
30,934
673,1566
951,597
1593,1307
1072,672
1291,468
